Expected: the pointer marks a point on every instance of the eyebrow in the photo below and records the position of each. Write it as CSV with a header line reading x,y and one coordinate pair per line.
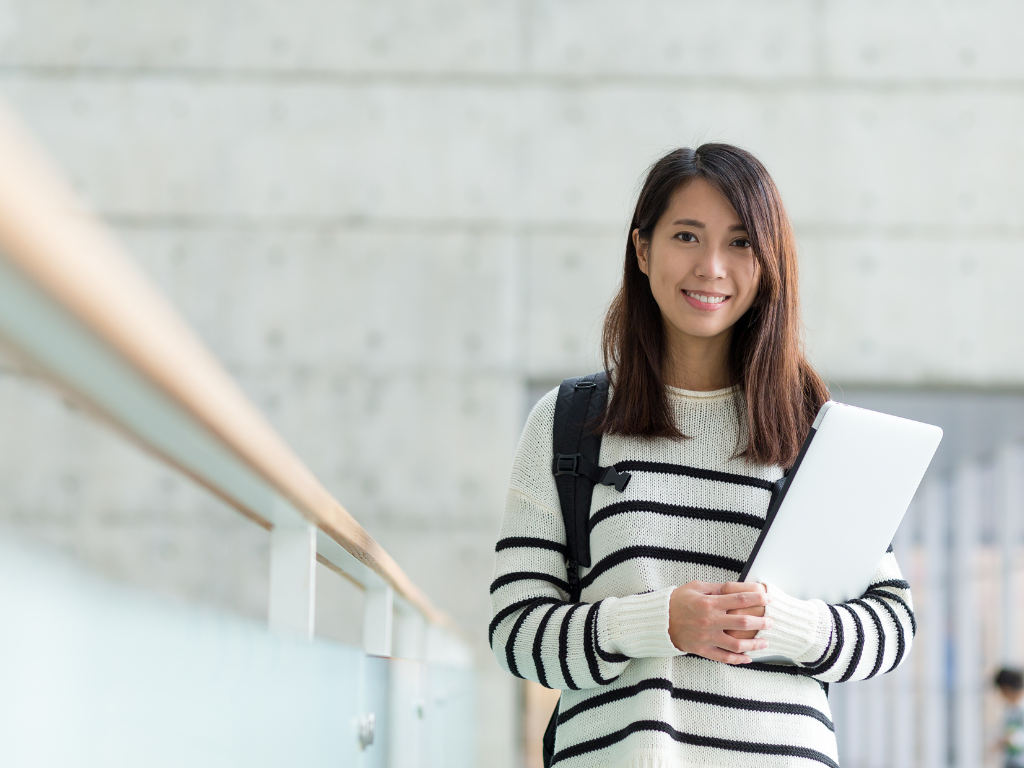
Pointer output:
x,y
701,225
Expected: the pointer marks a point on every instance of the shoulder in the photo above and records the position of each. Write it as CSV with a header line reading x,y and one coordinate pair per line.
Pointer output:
x,y
537,434
542,415
532,465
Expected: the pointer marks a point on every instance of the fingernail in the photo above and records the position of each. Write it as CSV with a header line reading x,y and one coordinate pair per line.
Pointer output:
x,y
762,645
769,623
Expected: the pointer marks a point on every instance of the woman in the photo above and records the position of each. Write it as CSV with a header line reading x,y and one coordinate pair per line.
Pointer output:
x,y
702,346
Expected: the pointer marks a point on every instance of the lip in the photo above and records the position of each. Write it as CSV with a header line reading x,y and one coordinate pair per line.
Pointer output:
x,y
700,305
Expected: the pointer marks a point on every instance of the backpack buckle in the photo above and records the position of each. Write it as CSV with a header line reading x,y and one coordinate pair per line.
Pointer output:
x,y
585,384
567,464
612,476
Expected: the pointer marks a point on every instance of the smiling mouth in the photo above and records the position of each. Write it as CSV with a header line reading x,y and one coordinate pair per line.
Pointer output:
x,y
704,301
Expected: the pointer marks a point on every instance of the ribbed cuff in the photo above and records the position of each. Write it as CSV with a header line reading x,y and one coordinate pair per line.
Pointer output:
x,y
800,631
637,626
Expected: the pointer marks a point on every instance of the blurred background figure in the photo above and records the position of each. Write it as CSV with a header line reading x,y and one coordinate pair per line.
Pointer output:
x,y
1010,683
389,219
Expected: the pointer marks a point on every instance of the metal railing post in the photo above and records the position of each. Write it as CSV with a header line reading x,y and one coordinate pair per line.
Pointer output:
x,y
379,621
409,639
292,604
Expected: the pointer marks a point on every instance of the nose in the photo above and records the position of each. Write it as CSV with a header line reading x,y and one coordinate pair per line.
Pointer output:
x,y
711,264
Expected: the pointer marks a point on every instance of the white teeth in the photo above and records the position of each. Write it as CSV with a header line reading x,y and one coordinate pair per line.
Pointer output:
x,y
706,299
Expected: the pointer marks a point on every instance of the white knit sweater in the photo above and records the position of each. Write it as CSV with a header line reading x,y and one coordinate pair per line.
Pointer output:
x,y
630,698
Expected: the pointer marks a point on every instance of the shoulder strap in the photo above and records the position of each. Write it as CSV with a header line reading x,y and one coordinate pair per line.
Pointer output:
x,y
576,464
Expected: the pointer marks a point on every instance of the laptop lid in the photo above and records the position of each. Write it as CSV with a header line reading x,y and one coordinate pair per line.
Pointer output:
x,y
839,508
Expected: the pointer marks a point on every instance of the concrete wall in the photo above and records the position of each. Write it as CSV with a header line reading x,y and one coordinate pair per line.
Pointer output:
x,y
389,218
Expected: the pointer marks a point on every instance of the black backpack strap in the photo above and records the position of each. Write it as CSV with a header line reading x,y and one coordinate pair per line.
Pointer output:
x,y
576,467
577,450
548,742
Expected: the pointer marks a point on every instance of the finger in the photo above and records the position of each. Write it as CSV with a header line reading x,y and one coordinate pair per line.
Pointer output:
x,y
704,587
740,634
717,654
737,645
742,586
742,600
755,611
746,623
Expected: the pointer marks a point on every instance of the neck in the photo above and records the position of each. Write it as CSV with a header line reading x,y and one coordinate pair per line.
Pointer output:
x,y
696,363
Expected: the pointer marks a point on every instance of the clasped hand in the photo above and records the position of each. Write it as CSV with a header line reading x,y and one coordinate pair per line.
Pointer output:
x,y
718,621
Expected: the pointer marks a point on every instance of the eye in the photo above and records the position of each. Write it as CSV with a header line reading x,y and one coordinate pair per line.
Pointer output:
x,y
687,237
741,242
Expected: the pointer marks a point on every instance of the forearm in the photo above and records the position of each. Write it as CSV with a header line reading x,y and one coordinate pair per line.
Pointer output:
x,y
537,634
579,645
855,640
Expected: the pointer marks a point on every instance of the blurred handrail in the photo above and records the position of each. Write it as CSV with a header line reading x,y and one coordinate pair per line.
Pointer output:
x,y
64,250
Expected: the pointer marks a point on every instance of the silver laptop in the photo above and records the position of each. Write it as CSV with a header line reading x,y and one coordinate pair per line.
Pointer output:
x,y
834,515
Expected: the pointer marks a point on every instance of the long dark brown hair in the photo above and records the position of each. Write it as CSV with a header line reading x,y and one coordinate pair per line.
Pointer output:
x,y
778,391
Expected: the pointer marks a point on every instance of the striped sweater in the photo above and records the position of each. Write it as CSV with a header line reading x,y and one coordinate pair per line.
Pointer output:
x,y
630,698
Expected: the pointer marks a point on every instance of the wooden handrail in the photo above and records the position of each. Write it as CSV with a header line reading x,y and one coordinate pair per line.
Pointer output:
x,y
54,240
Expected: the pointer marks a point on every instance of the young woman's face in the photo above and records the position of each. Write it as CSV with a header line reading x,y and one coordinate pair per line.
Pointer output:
x,y
700,262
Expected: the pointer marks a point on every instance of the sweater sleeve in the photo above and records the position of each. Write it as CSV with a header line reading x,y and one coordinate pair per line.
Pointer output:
x,y
535,632
855,640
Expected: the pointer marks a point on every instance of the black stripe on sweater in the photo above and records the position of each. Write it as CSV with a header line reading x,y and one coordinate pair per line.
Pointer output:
x,y
895,583
760,666
696,513
658,553
880,654
563,647
896,599
509,578
837,625
750,747
613,658
784,669
589,644
510,644
699,697
538,647
858,647
503,614
901,645
530,541
700,474
824,653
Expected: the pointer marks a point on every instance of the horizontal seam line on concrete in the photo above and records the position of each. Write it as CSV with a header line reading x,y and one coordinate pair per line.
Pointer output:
x,y
929,385
555,227
471,226
515,79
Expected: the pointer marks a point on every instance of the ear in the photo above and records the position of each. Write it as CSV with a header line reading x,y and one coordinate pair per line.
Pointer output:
x,y
641,252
